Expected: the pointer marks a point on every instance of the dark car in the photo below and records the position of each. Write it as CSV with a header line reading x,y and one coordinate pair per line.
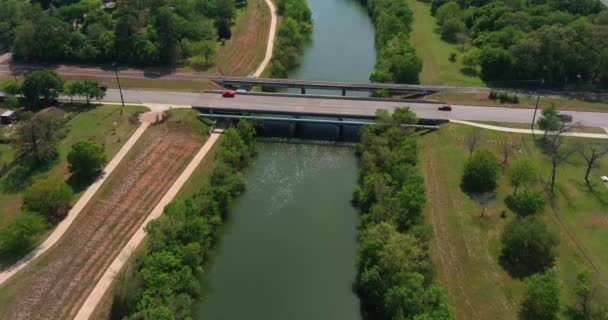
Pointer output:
x,y
565,117
103,88
229,94
445,108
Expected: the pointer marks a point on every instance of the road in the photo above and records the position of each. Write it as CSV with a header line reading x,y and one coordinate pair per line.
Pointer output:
x,y
339,106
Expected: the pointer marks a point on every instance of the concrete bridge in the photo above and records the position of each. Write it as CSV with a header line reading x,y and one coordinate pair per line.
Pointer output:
x,y
237,82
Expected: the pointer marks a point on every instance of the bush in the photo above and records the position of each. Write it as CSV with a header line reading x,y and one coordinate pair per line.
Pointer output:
x,y
528,247
86,159
49,197
528,203
452,57
19,232
493,95
541,298
480,172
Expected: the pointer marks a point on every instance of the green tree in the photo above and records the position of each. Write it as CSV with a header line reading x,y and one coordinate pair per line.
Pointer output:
x,y
11,87
522,173
527,247
549,120
86,159
529,203
584,289
397,62
88,89
450,29
49,197
39,136
450,10
40,87
541,297
18,233
480,172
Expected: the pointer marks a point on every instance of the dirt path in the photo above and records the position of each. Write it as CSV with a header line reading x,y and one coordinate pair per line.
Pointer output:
x,y
270,44
104,283
60,281
63,226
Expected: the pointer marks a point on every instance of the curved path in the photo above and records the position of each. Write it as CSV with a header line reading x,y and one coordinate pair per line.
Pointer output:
x,y
270,44
529,131
63,226
87,309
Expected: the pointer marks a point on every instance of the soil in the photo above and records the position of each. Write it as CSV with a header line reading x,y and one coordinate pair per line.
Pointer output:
x,y
72,268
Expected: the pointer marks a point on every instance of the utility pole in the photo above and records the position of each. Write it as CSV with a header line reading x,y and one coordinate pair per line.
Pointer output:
x,y
122,100
536,108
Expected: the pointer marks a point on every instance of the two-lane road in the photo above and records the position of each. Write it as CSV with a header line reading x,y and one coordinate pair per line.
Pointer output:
x,y
338,106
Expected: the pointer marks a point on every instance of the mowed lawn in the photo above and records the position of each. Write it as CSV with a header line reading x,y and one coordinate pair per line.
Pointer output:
x,y
101,124
242,54
467,246
434,52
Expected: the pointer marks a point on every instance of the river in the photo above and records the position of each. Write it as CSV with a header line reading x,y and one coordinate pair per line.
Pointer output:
x,y
341,46
289,248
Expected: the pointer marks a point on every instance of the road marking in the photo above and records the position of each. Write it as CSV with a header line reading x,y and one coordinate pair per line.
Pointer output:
x,y
104,283
63,226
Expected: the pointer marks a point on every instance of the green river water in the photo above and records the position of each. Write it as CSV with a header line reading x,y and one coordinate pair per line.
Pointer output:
x,y
288,251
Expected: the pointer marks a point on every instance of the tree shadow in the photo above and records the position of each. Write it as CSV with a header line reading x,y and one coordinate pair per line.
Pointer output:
x,y
469,71
79,183
514,268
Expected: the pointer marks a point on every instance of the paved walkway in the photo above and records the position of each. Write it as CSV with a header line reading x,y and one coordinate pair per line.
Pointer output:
x,y
63,226
104,283
270,44
529,131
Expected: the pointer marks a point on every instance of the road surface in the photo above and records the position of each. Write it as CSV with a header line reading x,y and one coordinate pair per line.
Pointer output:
x,y
339,106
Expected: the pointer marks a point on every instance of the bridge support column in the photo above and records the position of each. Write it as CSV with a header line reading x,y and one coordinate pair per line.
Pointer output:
x,y
303,90
343,92
340,130
294,128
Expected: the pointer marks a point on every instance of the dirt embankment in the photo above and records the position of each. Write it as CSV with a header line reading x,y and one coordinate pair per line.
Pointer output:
x,y
57,285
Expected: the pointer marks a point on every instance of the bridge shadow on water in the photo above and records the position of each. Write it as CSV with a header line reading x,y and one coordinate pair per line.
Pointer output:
x,y
309,131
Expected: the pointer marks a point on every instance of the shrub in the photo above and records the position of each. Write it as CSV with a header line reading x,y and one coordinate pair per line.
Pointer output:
x,y
528,203
480,172
541,297
452,57
493,95
86,159
528,247
49,197
18,233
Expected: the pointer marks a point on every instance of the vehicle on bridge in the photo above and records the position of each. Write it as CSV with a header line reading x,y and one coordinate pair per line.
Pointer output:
x,y
445,108
229,94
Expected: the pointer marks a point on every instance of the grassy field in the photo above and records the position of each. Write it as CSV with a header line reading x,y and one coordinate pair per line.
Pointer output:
x,y
434,52
467,246
525,101
102,124
242,54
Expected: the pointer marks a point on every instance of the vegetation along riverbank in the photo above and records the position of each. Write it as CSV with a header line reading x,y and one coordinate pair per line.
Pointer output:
x,y
395,276
164,278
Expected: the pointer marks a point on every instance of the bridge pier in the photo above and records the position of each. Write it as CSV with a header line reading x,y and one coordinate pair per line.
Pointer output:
x,y
303,90
340,130
294,128
343,92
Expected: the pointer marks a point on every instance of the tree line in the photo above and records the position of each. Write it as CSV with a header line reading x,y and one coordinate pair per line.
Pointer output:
x,y
395,273
293,33
562,42
165,276
140,33
397,61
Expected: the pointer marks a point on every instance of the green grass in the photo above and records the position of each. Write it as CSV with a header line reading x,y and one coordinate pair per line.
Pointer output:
x,y
434,52
467,246
102,124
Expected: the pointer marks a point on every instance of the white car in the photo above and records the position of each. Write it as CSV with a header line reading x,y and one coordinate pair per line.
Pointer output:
x,y
604,178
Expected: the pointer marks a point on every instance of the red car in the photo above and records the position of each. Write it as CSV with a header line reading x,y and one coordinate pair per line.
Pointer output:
x,y
229,94
445,108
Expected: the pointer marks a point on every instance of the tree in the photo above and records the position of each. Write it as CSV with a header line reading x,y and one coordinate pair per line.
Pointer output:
x,y
591,153
86,159
527,247
88,89
40,87
555,148
450,10
397,62
529,203
38,136
522,173
11,87
541,297
472,140
507,147
451,28
480,172
584,289
549,120
18,233
49,197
